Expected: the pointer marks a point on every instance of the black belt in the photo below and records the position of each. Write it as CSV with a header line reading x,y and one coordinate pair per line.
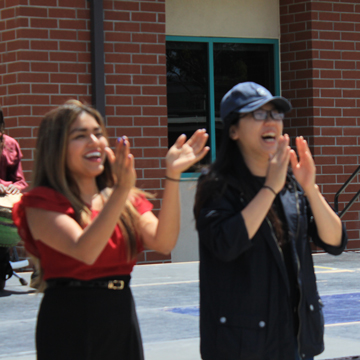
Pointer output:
x,y
115,284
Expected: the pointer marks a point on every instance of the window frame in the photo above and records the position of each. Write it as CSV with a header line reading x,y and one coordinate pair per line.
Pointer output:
x,y
210,46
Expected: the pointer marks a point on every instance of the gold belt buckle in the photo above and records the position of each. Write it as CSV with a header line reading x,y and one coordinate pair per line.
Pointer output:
x,y
116,284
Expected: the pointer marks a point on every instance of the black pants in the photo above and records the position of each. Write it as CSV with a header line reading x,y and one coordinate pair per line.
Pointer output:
x,y
88,324
5,267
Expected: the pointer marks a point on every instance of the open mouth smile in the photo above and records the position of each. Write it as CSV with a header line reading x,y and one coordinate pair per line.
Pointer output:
x,y
93,156
269,137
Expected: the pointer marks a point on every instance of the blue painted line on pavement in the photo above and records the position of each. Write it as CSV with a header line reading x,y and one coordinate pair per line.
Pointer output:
x,y
340,308
185,310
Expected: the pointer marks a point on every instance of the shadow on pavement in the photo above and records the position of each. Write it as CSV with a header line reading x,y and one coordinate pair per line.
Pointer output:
x,y
4,293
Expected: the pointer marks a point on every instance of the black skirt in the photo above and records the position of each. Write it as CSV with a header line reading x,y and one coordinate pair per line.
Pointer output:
x,y
88,323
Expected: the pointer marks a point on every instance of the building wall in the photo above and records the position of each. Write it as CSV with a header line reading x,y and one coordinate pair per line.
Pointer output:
x,y
320,69
135,78
226,18
46,59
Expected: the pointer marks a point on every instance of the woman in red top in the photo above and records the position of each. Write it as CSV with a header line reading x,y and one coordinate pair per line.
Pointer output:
x,y
86,222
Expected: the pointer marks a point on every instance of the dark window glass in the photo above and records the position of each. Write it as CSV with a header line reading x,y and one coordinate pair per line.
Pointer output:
x,y
187,89
188,82
235,63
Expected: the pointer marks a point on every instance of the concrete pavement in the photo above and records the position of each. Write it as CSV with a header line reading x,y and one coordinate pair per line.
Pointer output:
x,y
167,301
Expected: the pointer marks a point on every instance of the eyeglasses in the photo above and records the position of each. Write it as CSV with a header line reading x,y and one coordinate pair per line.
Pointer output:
x,y
261,115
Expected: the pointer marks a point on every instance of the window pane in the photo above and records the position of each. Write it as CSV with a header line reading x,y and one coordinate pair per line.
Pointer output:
x,y
235,63
188,83
187,89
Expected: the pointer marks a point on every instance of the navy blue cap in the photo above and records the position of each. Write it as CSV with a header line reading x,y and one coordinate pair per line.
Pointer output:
x,y
249,96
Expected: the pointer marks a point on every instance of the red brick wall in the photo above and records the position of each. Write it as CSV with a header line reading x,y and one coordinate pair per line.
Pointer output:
x,y
135,75
320,69
46,59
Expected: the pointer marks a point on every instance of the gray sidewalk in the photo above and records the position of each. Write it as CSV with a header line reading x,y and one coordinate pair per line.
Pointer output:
x,y
167,301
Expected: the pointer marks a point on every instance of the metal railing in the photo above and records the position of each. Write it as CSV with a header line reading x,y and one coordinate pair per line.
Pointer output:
x,y
342,189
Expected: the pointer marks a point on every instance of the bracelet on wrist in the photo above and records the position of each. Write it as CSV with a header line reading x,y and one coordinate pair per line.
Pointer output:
x,y
172,179
270,188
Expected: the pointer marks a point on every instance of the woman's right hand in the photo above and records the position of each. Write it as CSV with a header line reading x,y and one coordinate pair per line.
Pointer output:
x,y
122,163
2,189
184,154
278,165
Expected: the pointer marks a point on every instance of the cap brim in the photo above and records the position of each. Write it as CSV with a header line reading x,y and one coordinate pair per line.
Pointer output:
x,y
279,102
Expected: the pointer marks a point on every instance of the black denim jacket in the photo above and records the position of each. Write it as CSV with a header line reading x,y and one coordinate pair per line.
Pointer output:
x,y
245,310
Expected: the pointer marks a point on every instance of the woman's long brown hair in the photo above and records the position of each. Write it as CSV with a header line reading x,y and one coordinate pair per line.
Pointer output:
x,y
50,169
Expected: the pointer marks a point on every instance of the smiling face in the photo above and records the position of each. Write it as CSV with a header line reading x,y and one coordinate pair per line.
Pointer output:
x,y
85,154
257,139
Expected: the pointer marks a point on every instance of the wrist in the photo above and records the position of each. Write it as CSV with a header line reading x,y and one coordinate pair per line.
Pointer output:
x,y
311,191
175,180
270,188
172,175
121,189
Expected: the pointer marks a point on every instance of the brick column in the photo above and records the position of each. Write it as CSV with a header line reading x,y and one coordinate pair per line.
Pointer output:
x,y
320,56
135,80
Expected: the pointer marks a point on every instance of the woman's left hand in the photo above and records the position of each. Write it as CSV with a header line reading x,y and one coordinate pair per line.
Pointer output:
x,y
304,169
183,154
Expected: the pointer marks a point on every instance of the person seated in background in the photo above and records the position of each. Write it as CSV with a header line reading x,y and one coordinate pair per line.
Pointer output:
x,y
12,182
12,179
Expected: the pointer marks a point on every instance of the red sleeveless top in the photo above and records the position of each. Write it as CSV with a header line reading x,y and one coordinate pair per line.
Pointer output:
x,y
113,259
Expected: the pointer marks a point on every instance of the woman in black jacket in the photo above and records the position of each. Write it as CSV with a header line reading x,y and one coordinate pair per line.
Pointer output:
x,y
255,216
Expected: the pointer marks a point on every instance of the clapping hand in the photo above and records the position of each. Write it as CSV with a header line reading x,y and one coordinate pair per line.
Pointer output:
x,y
304,169
122,163
278,165
184,154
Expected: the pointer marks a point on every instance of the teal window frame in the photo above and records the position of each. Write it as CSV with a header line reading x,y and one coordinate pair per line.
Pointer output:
x,y
210,41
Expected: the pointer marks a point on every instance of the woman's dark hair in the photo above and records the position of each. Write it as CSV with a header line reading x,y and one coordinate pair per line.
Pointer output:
x,y
214,181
